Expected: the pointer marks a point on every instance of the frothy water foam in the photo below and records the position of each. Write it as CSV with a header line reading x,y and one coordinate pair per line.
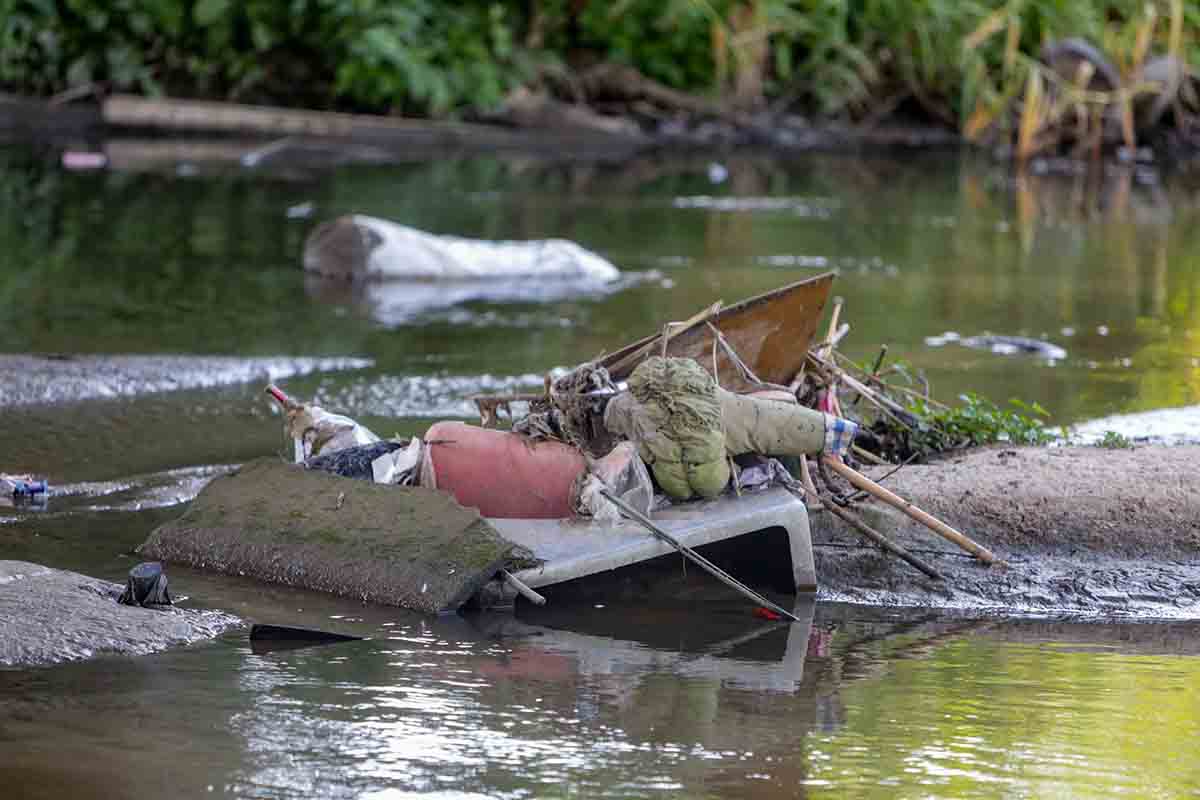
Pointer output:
x,y
33,379
1162,426
424,395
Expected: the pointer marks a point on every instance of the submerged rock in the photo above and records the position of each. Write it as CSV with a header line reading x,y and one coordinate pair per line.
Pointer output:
x,y
51,615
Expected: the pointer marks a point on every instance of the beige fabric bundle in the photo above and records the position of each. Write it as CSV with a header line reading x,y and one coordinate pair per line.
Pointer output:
x,y
673,415
685,426
770,427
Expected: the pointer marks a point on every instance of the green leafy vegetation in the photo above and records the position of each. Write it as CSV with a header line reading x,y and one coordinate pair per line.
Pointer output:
x,y
978,421
415,56
1115,441
967,64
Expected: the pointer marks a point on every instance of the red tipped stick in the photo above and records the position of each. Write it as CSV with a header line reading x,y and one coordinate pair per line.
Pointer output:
x,y
283,400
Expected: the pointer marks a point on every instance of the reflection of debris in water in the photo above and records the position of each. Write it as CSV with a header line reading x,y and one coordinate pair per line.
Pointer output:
x,y
400,302
812,207
623,645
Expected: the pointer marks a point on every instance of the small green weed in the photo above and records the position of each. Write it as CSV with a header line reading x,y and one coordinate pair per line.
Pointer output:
x,y
978,421
1115,441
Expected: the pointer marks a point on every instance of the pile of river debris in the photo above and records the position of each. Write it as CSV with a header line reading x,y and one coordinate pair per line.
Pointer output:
x,y
734,400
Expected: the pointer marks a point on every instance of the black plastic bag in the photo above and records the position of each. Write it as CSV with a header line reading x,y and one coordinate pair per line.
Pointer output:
x,y
146,586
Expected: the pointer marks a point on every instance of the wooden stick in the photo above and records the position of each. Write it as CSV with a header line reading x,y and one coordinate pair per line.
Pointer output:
x,y
872,534
794,386
933,523
879,360
827,345
833,373
865,391
527,397
882,384
678,327
522,589
736,360
709,567
867,455
489,405
874,374
837,337
806,478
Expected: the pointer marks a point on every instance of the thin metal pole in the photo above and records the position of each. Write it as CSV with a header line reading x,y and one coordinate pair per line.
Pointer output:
x,y
709,567
522,589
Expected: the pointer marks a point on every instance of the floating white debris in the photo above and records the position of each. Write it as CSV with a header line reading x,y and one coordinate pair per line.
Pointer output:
x,y
944,338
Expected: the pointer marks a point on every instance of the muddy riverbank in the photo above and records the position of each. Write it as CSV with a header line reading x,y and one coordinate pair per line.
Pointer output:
x,y
48,616
1084,530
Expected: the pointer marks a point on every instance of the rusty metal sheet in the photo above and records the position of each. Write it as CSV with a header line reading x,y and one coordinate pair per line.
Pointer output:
x,y
771,333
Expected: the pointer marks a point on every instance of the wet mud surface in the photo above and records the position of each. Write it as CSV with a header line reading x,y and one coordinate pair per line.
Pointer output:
x,y
1084,531
48,616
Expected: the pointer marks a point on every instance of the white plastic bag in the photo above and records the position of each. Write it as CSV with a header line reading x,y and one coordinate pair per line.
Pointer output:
x,y
315,431
622,473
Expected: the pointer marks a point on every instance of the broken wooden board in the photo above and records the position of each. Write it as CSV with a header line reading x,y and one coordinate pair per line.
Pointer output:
x,y
393,545
771,333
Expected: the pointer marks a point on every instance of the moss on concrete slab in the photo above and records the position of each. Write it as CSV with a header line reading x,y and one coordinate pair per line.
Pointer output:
x,y
404,546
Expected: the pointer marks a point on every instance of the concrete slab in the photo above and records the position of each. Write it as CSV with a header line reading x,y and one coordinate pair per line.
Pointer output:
x,y
393,545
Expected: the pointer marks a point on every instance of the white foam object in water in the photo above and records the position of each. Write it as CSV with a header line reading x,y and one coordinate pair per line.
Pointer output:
x,y
404,252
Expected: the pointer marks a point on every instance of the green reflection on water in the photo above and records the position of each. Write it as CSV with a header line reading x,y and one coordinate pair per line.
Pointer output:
x,y
984,717
152,262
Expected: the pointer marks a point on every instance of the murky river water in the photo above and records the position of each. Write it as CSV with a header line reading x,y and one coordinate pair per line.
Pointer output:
x,y
697,700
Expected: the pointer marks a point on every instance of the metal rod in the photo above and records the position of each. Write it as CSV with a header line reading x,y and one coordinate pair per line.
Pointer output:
x,y
709,567
522,589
